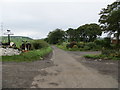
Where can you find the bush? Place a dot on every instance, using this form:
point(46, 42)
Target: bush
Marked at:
point(99, 42)
point(112, 53)
point(107, 42)
point(80, 44)
point(75, 46)
point(103, 43)
point(38, 44)
point(83, 46)
point(91, 45)
point(71, 45)
point(101, 56)
point(86, 48)
point(98, 47)
point(115, 46)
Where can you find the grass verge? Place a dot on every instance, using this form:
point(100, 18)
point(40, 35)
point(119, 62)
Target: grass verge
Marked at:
point(101, 57)
point(62, 47)
point(28, 56)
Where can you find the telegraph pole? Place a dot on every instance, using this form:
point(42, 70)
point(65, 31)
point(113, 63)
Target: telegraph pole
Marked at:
point(8, 33)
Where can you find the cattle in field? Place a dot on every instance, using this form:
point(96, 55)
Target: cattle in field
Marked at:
point(26, 46)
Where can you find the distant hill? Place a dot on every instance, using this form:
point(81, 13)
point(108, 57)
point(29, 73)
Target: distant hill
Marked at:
point(16, 39)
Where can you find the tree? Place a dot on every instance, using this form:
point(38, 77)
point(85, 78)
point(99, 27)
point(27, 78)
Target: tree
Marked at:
point(71, 35)
point(110, 19)
point(89, 32)
point(56, 36)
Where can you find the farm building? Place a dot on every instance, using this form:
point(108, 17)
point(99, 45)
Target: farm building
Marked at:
point(114, 39)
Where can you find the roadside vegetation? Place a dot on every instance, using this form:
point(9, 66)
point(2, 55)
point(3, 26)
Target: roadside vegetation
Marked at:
point(106, 55)
point(86, 37)
point(84, 46)
point(29, 56)
point(39, 49)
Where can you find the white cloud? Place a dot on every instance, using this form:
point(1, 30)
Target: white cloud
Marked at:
point(37, 19)
point(58, 0)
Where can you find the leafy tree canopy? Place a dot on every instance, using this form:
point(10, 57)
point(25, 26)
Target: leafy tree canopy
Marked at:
point(110, 19)
point(89, 32)
point(56, 36)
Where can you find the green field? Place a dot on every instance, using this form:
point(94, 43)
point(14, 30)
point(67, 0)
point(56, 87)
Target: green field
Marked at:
point(16, 39)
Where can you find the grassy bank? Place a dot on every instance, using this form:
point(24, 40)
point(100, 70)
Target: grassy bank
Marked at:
point(29, 56)
point(105, 57)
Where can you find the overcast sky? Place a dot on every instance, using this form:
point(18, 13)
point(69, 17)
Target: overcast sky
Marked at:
point(36, 18)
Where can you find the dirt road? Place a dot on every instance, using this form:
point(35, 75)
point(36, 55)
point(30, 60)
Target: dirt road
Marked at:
point(69, 73)
point(21, 74)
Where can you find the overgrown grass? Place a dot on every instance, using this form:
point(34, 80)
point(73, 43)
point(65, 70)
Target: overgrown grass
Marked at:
point(101, 57)
point(28, 56)
point(75, 49)
point(62, 47)
point(79, 46)
point(38, 44)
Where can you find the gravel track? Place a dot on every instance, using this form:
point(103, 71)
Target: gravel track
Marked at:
point(63, 70)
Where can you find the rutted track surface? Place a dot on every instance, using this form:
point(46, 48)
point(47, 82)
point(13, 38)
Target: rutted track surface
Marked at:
point(69, 73)
point(105, 67)
point(66, 70)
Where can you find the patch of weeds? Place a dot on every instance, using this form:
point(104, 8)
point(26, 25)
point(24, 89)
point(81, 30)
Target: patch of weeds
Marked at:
point(101, 57)
point(28, 56)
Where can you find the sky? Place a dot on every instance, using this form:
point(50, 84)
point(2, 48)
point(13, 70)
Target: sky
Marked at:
point(36, 18)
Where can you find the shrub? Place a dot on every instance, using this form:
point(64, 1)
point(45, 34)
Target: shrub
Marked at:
point(86, 48)
point(98, 47)
point(91, 45)
point(111, 52)
point(75, 46)
point(103, 43)
point(71, 44)
point(80, 44)
point(38, 44)
point(99, 42)
point(106, 57)
point(107, 42)
point(114, 46)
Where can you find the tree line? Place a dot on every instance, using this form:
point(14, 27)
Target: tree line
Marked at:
point(85, 33)
point(109, 21)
